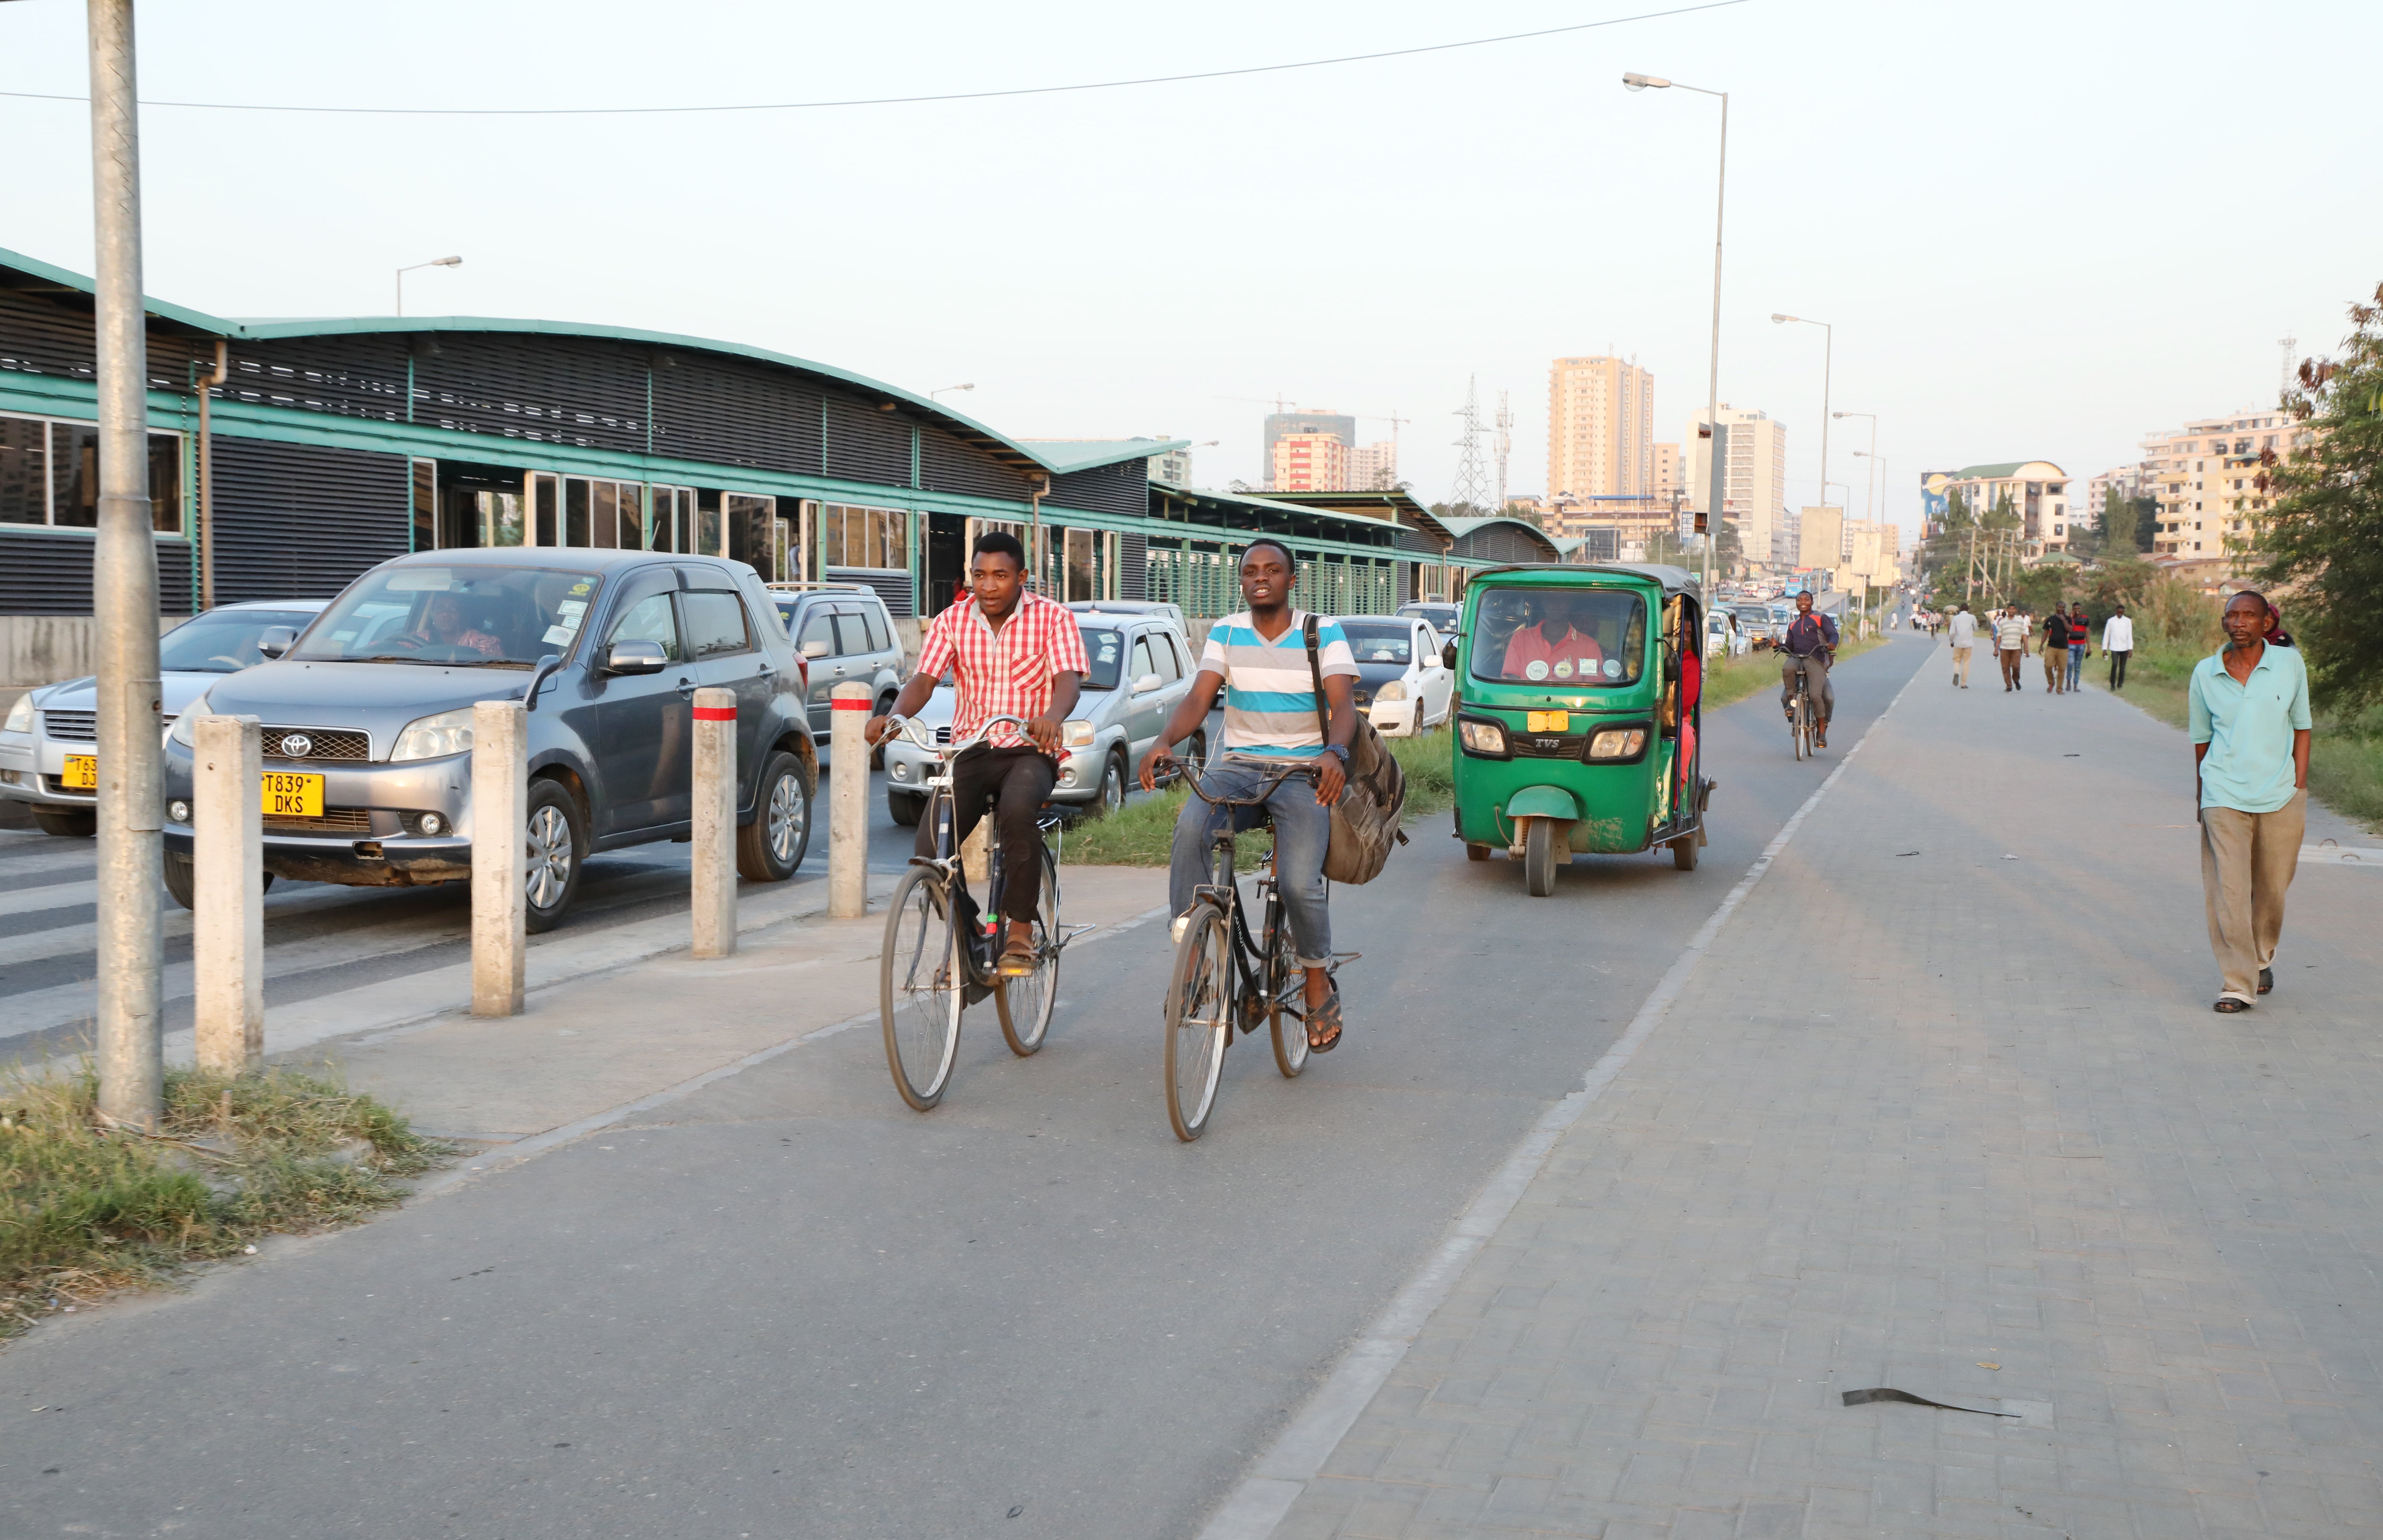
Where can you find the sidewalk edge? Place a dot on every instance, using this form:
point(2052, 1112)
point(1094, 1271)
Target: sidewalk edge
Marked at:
point(1257, 1504)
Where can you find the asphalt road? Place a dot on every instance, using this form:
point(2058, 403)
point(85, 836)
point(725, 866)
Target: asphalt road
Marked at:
point(785, 1306)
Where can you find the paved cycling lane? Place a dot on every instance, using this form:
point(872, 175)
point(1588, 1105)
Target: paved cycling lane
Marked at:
point(785, 1306)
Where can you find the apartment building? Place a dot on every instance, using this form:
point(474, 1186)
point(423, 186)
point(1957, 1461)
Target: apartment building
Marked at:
point(1310, 463)
point(1600, 428)
point(1373, 468)
point(2038, 491)
point(1671, 474)
point(1754, 487)
point(2204, 479)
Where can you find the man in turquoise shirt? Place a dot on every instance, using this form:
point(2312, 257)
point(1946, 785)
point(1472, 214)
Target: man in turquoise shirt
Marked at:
point(2250, 719)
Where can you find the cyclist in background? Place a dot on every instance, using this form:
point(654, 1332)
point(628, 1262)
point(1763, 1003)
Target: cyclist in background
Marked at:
point(1810, 646)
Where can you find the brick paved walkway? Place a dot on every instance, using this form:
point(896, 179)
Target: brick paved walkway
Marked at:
point(1958, 1124)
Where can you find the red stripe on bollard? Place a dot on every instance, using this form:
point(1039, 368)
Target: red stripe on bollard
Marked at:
point(715, 713)
point(852, 706)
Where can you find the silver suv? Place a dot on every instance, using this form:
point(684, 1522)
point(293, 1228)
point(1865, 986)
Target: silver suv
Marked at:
point(846, 637)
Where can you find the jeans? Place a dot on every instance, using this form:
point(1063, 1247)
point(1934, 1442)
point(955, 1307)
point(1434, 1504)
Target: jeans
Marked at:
point(1303, 829)
point(1020, 781)
point(1817, 687)
point(2076, 663)
point(2117, 667)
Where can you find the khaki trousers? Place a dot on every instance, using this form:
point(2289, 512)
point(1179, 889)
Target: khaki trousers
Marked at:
point(1961, 667)
point(2247, 860)
point(2010, 657)
point(2056, 668)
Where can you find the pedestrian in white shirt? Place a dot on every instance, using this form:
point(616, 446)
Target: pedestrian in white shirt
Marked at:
point(1964, 631)
point(2117, 641)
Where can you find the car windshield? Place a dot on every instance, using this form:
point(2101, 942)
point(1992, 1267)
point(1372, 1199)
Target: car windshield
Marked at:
point(1753, 613)
point(1104, 649)
point(1380, 641)
point(1560, 636)
point(223, 641)
point(481, 617)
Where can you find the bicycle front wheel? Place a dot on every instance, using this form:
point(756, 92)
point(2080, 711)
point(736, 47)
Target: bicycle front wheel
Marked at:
point(1199, 1020)
point(920, 981)
point(1025, 1003)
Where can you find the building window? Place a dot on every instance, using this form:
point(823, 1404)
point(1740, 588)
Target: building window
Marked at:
point(49, 475)
point(872, 537)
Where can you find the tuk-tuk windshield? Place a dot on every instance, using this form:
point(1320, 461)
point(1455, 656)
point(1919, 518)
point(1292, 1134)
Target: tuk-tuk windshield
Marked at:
point(1557, 637)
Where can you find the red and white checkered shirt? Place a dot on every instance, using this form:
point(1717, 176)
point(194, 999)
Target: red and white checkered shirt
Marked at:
point(1006, 673)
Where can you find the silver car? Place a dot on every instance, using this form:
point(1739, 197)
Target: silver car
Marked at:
point(49, 744)
point(1141, 668)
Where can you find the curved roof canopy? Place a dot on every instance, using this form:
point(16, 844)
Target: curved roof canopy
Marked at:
point(1460, 528)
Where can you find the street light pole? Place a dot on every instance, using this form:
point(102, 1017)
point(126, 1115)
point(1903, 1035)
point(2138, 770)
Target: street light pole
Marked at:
point(1712, 370)
point(1828, 362)
point(129, 960)
point(1867, 481)
point(434, 262)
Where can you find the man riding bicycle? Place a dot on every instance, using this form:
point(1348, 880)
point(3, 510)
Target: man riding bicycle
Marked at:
point(1810, 646)
point(1015, 654)
point(1259, 659)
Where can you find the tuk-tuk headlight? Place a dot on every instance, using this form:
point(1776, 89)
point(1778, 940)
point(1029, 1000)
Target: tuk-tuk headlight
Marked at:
point(1481, 737)
point(1618, 743)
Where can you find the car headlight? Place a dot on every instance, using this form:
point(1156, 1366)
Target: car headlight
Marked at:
point(1482, 738)
point(435, 737)
point(1395, 690)
point(20, 715)
point(181, 729)
point(1618, 743)
point(1077, 735)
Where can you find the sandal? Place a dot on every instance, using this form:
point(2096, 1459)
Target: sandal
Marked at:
point(1324, 1025)
point(1019, 959)
point(2267, 980)
point(2227, 1005)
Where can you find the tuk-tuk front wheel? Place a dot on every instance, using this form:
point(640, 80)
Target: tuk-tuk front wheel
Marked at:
point(1539, 858)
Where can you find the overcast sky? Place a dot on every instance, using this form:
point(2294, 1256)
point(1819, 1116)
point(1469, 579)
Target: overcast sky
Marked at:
point(2042, 230)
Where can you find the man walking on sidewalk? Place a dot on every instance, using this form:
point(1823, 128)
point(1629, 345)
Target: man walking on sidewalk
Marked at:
point(2080, 641)
point(2056, 650)
point(1965, 637)
point(2010, 644)
point(2248, 713)
point(2118, 642)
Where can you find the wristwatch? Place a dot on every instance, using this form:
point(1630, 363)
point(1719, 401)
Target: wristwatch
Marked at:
point(1340, 749)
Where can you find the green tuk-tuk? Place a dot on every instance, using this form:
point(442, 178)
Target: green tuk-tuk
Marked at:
point(1576, 715)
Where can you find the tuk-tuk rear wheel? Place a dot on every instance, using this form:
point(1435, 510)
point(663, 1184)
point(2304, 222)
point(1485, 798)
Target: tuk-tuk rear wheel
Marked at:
point(1539, 859)
point(1683, 852)
point(1476, 852)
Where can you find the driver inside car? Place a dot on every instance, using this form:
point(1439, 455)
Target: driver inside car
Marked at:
point(443, 625)
point(1552, 648)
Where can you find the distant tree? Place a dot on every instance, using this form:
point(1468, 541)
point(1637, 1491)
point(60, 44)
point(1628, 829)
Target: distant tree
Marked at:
point(2324, 537)
point(2120, 516)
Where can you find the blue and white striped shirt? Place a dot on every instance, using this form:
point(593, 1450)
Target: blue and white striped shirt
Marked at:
point(1270, 707)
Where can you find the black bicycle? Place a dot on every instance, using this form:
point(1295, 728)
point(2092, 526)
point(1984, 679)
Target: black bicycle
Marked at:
point(1223, 976)
point(943, 953)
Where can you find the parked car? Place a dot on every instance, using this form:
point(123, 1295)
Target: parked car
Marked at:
point(1174, 612)
point(1142, 666)
point(1403, 685)
point(1447, 620)
point(368, 718)
point(49, 744)
point(846, 637)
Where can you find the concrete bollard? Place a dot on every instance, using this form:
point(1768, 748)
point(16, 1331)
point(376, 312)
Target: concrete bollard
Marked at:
point(715, 822)
point(847, 818)
point(500, 856)
point(227, 879)
point(976, 855)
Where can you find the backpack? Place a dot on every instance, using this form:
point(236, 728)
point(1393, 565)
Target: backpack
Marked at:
point(1365, 820)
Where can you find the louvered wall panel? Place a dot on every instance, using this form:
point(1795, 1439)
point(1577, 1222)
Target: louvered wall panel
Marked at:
point(548, 389)
point(946, 465)
point(864, 444)
point(293, 521)
point(349, 376)
point(895, 588)
point(45, 572)
point(733, 413)
point(1121, 490)
point(1133, 567)
point(44, 336)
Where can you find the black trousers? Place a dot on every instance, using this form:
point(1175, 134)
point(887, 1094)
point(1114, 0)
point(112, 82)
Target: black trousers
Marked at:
point(2117, 669)
point(1019, 782)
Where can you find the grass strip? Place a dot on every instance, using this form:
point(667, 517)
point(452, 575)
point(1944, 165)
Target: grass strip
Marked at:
point(1730, 679)
point(86, 1210)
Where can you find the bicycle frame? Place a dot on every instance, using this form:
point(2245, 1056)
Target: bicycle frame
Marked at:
point(1224, 889)
point(981, 954)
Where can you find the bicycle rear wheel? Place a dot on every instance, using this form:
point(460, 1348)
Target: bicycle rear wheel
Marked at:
point(1199, 1020)
point(920, 979)
point(1284, 977)
point(1025, 1003)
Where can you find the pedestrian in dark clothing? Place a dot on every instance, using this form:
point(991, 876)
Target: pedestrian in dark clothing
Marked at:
point(2056, 650)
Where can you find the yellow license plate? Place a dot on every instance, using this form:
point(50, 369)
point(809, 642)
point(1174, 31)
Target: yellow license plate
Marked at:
point(82, 773)
point(1546, 721)
point(293, 796)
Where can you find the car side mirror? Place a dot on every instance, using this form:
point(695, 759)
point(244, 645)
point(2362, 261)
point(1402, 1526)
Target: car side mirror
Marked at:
point(275, 640)
point(636, 657)
point(815, 649)
point(1448, 657)
point(1146, 683)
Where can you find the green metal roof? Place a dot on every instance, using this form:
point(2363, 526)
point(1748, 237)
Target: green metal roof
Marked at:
point(1462, 527)
point(1058, 457)
point(1398, 506)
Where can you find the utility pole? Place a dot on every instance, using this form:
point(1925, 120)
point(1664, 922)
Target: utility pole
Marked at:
point(1505, 444)
point(129, 961)
point(1472, 476)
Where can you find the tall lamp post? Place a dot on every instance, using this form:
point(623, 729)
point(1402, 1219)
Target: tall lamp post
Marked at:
point(1867, 481)
point(434, 262)
point(1828, 360)
point(948, 390)
point(1878, 461)
point(1712, 374)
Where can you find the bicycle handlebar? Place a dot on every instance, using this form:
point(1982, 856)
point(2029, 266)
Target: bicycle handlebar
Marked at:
point(908, 727)
point(1263, 789)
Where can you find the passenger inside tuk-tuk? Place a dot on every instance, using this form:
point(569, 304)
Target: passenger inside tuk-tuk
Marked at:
point(1561, 637)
